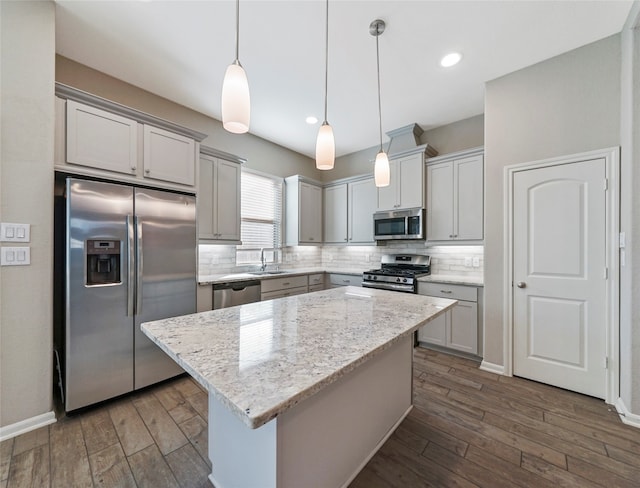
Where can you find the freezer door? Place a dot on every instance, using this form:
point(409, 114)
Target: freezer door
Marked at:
point(98, 331)
point(166, 267)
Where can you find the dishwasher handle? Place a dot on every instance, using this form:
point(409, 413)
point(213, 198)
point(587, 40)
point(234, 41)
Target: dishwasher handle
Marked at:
point(236, 285)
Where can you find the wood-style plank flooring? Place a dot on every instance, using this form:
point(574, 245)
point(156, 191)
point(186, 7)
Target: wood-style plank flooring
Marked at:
point(468, 428)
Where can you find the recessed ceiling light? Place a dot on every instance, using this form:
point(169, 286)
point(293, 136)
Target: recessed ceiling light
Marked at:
point(450, 59)
point(311, 120)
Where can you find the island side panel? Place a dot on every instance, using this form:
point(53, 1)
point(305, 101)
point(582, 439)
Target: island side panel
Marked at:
point(328, 438)
point(240, 456)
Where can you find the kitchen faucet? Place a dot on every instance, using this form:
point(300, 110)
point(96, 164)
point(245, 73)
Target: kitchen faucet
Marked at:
point(263, 264)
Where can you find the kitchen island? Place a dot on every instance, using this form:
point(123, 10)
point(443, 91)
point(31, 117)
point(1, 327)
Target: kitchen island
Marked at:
point(302, 390)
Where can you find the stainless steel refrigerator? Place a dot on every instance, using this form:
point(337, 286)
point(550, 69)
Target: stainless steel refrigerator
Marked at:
point(130, 257)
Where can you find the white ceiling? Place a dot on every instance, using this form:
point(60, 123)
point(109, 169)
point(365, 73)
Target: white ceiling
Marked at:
point(180, 49)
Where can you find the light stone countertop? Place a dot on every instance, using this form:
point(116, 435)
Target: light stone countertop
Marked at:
point(453, 279)
point(263, 358)
point(230, 277)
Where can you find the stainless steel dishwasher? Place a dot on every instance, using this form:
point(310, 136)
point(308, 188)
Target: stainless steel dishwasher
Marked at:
point(234, 293)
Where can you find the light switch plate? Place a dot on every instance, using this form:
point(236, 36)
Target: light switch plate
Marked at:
point(467, 262)
point(15, 256)
point(476, 262)
point(15, 232)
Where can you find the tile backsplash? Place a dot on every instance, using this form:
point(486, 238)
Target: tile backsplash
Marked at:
point(465, 261)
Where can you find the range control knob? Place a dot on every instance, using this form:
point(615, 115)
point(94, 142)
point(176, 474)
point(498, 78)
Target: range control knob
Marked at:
point(404, 280)
point(398, 280)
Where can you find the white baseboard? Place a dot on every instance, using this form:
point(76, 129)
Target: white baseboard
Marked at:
point(492, 368)
point(626, 416)
point(27, 425)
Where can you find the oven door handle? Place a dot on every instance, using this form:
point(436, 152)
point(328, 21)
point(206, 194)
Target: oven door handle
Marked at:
point(389, 286)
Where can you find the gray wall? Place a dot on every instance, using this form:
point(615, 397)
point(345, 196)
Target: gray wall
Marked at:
point(261, 154)
point(565, 105)
point(464, 134)
point(26, 195)
point(629, 211)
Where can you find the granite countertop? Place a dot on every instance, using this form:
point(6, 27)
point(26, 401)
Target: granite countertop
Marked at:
point(453, 279)
point(229, 277)
point(262, 358)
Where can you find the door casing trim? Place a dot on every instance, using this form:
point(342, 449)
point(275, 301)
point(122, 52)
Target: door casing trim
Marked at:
point(612, 170)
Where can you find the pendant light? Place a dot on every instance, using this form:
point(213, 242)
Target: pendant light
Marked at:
point(325, 143)
point(235, 91)
point(381, 171)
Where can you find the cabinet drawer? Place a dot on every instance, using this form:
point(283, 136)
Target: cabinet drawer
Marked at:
point(284, 283)
point(316, 279)
point(345, 280)
point(283, 293)
point(455, 292)
point(316, 288)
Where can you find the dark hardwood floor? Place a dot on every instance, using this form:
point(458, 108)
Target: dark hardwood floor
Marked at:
point(468, 428)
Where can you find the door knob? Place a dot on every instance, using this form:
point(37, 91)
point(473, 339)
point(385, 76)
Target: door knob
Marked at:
point(521, 284)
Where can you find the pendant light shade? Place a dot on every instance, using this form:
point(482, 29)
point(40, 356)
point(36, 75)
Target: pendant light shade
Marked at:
point(325, 147)
point(325, 143)
point(381, 170)
point(235, 100)
point(236, 103)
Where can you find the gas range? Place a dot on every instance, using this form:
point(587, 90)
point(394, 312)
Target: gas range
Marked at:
point(399, 272)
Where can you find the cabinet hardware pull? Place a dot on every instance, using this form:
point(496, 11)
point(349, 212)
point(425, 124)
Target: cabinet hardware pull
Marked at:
point(285, 284)
point(521, 284)
point(147, 171)
point(446, 291)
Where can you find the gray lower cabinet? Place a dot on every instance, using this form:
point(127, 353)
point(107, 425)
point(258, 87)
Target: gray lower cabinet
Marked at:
point(337, 279)
point(458, 328)
point(283, 287)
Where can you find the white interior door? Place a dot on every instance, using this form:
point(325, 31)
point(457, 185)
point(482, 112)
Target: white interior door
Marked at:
point(559, 274)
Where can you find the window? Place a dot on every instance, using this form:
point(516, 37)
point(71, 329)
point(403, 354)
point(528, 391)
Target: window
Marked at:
point(261, 224)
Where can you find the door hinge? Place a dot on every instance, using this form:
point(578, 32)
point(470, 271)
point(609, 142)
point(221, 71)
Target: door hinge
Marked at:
point(606, 273)
point(606, 184)
point(606, 363)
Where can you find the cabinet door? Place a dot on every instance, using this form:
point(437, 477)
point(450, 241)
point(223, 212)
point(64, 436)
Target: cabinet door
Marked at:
point(463, 329)
point(388, 198)
point(100, 139)
point(226, 184)
point(362, 205)
point(335, 214)
point(435, 332)
point(168, 156)
point(204, 199)
point(411, 192)
point(310, 217)
point(469, 191)
point(440, 202)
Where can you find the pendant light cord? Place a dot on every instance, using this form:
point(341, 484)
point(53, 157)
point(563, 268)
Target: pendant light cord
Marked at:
point(237, 32)
point(378, 68)
point(326, 64)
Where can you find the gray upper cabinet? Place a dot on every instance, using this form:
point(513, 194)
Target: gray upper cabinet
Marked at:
point(303, 201)
point(455, 197)
point(102, 140)
point(98, 137)
point(219, 200)
point(348, 212)
point(406, 188)
point(362, 198)
point(168, 156)
point(335, 214)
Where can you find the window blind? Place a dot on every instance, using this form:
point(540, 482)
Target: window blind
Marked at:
point(261, 224)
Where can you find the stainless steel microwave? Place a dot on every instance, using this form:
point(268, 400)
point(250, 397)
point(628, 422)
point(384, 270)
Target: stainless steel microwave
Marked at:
point(399, 224)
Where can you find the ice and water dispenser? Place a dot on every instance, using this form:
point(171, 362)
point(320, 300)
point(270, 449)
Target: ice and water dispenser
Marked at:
point(103, 262)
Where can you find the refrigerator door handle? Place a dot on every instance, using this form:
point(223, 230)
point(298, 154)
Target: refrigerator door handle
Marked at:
point(131, 277)
point(138, 266)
